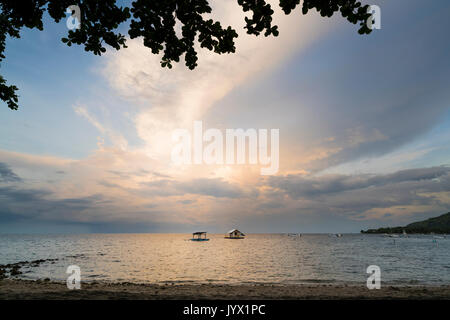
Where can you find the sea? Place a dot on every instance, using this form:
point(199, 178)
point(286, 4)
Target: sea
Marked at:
point(259, 258)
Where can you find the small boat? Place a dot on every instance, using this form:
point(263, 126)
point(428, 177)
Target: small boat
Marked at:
point(235, 234)
point(197, 236)
point(393, 235)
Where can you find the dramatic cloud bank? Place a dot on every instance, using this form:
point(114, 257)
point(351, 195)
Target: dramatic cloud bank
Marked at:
point(363, 129)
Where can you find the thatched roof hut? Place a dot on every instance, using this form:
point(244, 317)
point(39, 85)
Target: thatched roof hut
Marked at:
point(235, 234)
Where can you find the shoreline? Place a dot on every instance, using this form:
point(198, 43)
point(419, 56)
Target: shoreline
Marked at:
point(18, 289)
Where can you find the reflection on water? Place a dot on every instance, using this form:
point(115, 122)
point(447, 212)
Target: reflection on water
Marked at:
point(268, 258)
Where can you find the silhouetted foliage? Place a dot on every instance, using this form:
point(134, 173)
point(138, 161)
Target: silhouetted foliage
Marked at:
point(154, 21)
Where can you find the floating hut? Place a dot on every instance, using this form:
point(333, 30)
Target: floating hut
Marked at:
point(199, 236)
point(235, 234)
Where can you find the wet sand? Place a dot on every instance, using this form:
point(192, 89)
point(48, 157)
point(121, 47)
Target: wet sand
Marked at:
point(40, 289)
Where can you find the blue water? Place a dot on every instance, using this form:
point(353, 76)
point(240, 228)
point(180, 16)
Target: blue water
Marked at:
point(260, 258)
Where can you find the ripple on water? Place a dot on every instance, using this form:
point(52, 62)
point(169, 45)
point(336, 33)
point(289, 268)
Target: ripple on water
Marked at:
point(161, 258)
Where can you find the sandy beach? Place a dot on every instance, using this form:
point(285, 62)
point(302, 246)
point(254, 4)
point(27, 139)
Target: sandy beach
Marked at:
point(41, 289)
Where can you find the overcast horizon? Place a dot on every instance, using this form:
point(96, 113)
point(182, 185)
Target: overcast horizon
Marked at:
point(364, 129)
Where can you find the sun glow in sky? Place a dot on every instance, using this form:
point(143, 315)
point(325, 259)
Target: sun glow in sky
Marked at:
point(364, 129)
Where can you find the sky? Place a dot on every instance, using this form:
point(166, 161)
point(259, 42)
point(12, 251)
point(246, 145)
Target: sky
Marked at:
point(364, 125)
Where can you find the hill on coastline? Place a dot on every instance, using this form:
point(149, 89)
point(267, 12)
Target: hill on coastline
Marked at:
point(439, 224)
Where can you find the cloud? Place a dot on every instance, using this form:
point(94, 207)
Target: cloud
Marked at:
point(139, 173)
point(349, 99)
point(117, 139)
point(401, 195)
point(82, 111)
point(37, 204)
point(7, 175)
point(214, 187)
point(211, 187)
point(170, 99)
point(104, 192)
point(301, 186)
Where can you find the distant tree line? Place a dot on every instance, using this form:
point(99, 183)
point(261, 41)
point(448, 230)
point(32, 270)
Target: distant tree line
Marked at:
point(440, 225)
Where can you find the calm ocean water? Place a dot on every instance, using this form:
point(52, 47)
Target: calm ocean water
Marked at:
point(260, 258)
